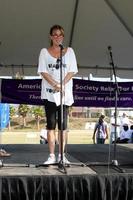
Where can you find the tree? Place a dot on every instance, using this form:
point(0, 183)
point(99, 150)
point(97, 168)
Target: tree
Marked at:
point(38, 112)
point(12, 112)
point(23, 110)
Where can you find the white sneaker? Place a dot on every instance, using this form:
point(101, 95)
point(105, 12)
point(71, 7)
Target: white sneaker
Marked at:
point(50, 160)
point(65, 161)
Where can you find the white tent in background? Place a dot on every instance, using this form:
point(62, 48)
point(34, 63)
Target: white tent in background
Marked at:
point(90, 27)
point(108, 79)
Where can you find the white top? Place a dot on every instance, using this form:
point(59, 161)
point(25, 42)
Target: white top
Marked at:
point(124, 120)
point(50, 65)
point(100, 130)
point(125, 134)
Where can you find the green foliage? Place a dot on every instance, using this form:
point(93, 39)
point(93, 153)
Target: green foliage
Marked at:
point(23, 110)
point(38, 111)
point(12, 111)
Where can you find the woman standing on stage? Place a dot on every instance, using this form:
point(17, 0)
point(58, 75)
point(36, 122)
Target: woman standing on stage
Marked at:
point(49, 69)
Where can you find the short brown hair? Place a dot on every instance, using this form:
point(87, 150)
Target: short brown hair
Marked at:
point(56, 27)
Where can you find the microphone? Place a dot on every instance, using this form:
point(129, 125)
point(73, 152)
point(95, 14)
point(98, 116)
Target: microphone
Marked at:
point(110, 50)
point(61, 46)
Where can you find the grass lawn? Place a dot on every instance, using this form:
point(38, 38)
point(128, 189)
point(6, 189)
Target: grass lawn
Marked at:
point(31, 135)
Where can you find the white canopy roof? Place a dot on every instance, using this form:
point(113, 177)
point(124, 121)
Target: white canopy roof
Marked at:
point(90, 27)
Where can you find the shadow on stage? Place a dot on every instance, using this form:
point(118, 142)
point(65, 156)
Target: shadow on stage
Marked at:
point(90, 177)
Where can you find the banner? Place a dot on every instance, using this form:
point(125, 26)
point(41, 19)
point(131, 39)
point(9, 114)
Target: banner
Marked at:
point(102, 94)
point(86, 93)
point(23, 91)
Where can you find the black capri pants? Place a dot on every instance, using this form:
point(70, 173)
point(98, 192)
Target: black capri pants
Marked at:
point(53, 115)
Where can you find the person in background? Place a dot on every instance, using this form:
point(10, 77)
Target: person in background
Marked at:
point(114, 127)
point(100, 131)
point(49, 69)
point(124, 120)
point(4, 153)
point(125, 135)
point(131, 130)
point(43, 136)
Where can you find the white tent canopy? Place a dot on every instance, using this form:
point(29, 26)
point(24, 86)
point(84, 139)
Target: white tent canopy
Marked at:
point(90, 27)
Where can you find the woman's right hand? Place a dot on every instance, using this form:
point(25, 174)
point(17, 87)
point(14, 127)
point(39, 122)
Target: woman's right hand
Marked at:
point(57, 87)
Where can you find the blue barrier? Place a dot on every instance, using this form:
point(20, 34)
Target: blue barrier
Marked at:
point(4, 115)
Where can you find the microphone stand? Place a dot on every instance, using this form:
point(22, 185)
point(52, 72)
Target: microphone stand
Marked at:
point(61, 165)
point(117, 92)
point(114, 162)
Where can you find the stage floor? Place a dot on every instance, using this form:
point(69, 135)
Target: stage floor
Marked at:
point(85, 159)
point(90, 175)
